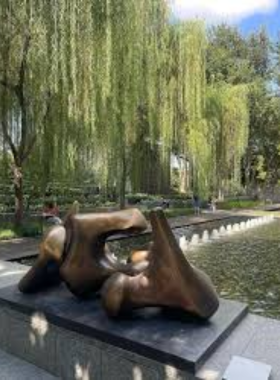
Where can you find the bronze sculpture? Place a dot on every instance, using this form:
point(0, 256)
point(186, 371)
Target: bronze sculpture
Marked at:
point(169, 280)
point(88, 262)
point(77, 254)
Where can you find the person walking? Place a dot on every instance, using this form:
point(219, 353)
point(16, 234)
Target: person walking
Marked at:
point(51, 213)
point(196, 204)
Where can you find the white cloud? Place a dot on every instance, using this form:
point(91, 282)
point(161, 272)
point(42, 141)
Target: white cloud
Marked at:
point(233, 10)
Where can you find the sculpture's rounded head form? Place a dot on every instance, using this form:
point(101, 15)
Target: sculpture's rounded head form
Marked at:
point(53, 243)
point(136, 220)
point(45, 271)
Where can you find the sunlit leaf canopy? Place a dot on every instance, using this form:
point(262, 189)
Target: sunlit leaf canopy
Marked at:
point(111, 89)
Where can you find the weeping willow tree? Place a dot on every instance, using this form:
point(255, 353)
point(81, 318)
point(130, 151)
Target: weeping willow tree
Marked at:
point(125, 33)
point(228, 117)
point(191, 129)
point(210, 123)
point(104, 89)
point(173, 116)
point(71, 96)
point(124, 44)
point(78, 81)
point(24, 99)
point(49, 78)
point(150, 170)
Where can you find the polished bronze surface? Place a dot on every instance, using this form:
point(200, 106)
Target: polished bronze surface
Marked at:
point(88, 262)
point(157, 275)
point(45, 271)
point(139, 255)
point(169, 280)
point(77, 254)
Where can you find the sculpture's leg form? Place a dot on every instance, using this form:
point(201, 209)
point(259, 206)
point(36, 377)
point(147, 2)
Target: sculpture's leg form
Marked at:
point(169, 280)
point(45, 271)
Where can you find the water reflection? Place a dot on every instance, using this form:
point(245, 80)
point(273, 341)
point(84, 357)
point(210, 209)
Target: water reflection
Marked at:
point(215, 234)
point(195, 239)
point(245, 266)
point(205, 237)
point(229, 228)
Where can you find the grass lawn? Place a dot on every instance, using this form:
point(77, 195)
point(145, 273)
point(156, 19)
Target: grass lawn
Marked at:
point(8, 231)
point(172, 212)
point(239, 204)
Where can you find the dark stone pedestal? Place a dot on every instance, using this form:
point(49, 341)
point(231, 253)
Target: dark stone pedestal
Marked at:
point(164, 336)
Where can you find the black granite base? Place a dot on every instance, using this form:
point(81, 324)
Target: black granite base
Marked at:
point(164, 336)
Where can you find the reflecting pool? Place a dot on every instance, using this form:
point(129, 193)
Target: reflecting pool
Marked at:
point(123, 247)
point(245, 266)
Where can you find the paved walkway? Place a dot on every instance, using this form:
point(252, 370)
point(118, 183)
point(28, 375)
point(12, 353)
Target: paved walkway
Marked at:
point(18, 248)
point(181, 221)
point(256, 338)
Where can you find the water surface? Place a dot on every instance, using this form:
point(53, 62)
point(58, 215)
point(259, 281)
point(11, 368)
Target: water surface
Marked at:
point(245, 266)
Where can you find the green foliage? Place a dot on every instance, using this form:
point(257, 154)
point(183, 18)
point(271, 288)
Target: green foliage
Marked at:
point(239, 204)
point(174, 212)
point(227, 114)
point(261, 173)
point(262, 156)
point(259, 49)
point(109, 89)
point(30, 229)
point(227, 56)
point(192, 129)
point(7, 233)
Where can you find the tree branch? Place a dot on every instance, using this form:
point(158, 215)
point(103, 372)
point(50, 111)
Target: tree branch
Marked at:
point(34, 137)
point(29, 148)
point(9, 140)
point(21, 96)
point(8, 85)
point(23, 65)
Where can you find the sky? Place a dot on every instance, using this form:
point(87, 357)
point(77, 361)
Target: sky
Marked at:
point(248, 15)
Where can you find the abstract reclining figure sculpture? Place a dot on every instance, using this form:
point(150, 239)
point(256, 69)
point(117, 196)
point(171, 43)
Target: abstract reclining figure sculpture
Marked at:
point(169, 279)
point(76, 253)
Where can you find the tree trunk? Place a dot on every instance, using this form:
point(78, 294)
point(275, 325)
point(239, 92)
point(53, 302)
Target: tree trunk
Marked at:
point(184, 177)
point(221, 189)
point(247, 170)
point(122, 185)
point(18, 187)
